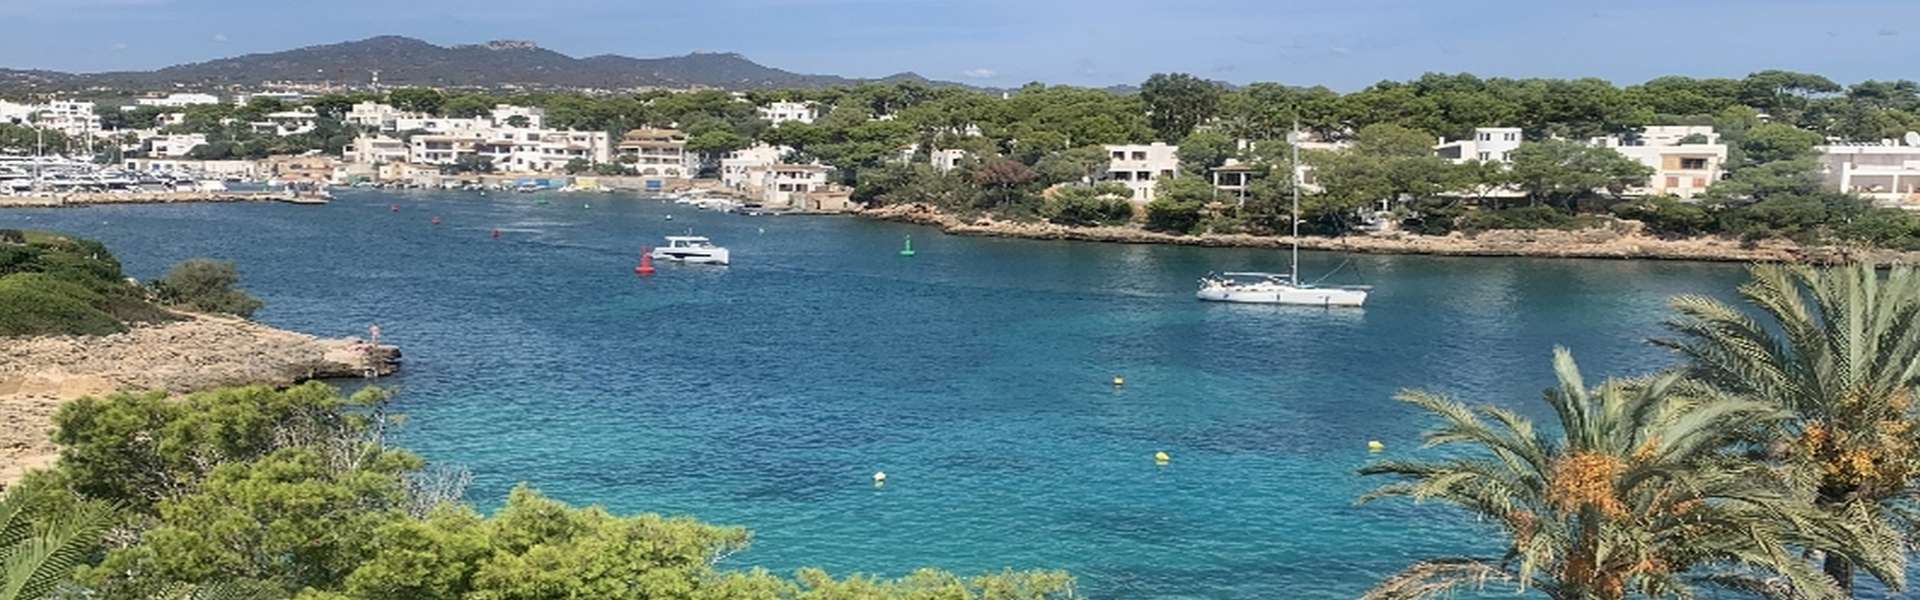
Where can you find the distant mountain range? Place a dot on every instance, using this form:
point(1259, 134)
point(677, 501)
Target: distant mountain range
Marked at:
point(408, 61)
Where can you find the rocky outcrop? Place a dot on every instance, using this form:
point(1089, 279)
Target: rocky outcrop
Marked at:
point(199, 352)
point(1621, 241)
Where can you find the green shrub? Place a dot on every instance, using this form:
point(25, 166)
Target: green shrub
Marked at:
point(205, 285)
point(1665, 215)
point(1172, 216)
point(1088, 205)
point(42, 304)
point(1519, 217)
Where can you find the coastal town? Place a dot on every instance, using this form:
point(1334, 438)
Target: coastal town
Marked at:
point(764, 151)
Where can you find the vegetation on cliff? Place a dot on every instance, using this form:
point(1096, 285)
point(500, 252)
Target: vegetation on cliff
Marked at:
point(52, 284)
point(294, 494)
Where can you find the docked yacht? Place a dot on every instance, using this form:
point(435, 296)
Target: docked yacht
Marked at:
point(691, 249)
point(1277, 288)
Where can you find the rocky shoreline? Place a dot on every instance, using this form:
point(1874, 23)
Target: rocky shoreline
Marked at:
point(196, 353)
point(1625, 241)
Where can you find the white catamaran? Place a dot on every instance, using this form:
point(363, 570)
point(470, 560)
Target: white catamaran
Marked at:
point(1277, 288)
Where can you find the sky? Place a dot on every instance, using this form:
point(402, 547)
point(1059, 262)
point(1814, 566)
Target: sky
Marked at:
point(1344, 44)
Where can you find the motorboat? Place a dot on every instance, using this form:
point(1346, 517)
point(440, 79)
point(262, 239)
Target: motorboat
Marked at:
point(1277, 288)
point(691, 249)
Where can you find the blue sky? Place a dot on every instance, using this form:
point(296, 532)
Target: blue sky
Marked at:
point(1345, 44)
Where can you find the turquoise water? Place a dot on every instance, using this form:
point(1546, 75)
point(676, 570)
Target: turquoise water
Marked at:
point(976, 374)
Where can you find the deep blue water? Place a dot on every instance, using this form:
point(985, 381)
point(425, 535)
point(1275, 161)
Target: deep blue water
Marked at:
point(977, 375)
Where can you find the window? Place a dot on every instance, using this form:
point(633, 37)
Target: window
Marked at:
point(1486, 137)
point(1693, 164)
point(1673, 182)
point(1699, 182)
point(1139, 155)
point(1510, 136)
point(1119, 155)
point(1485, 155)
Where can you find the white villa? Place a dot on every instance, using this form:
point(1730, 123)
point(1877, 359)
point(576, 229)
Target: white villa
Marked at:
point(781, 112)
point(1887, 172)
point(1491, 144)
point(737, 167)
point(1141, 166)
point(1685, 159)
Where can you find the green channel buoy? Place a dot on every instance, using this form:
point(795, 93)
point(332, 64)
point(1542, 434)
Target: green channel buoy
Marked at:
point(908, 249)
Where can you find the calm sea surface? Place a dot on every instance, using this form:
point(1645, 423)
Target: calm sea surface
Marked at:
point(976, 375)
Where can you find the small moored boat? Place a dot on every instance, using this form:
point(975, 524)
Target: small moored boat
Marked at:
point(691, 249)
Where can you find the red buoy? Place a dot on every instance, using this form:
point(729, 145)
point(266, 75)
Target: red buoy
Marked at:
point(496, 233)
point(646, 262)
point(436, 220)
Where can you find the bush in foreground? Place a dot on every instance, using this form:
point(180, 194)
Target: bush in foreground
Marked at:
point(206, 285)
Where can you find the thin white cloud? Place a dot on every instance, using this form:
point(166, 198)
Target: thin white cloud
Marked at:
point(118, 46)
point(980, 73)
point(220, 37)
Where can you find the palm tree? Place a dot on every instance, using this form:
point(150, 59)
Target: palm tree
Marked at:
point(1840, 349)
point(35, 558)
point(1637, 495)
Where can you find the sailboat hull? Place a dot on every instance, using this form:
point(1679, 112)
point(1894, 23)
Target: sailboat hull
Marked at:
point(1277, 294)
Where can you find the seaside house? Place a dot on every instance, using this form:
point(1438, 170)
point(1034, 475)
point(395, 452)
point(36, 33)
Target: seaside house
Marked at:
point(787, 185)
point(1233, 179)
point(177, 100)
point(1887, 172)
point(656, 152)
point(174, 145)
point(1142, 166)
point(1685, 159)
point(376, 149)
point(781, 112)
point(287, 96)
point(439, 125)
point(738, 166)
point(512, 150)
point(1490, 144)
point(518, 117)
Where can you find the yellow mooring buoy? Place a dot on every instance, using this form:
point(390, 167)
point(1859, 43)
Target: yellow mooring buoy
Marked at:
point(879, 478)
point(1119, 381)
point(1161, 457)
point(1375, 446)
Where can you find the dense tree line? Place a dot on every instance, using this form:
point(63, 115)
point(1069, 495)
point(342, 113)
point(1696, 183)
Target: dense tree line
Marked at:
point(53, 284)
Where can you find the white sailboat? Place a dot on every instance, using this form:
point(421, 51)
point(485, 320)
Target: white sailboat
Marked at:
point(1277, 288)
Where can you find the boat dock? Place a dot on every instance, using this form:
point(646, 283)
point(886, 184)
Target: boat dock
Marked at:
point(95, 198)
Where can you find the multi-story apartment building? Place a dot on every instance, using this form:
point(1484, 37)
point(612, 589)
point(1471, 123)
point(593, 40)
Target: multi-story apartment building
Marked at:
point(655, 152)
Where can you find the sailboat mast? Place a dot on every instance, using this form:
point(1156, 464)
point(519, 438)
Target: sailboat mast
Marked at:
point(1293, 168)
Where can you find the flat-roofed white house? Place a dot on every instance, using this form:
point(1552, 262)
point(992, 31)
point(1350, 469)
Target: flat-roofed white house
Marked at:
point(948, 159)
point(1488, 144)
point(1887, 172)
point(1142, 166)
point(787, 185)
point(174, 145)
point(737, 167)
point(376, 115)
point(1685, 159)
point(177, 100)
point(781, 112)
point(376, 149)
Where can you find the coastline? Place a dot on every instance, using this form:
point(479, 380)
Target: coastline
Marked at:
point(1627, 243)
point(39, 374)
point(100, 198)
